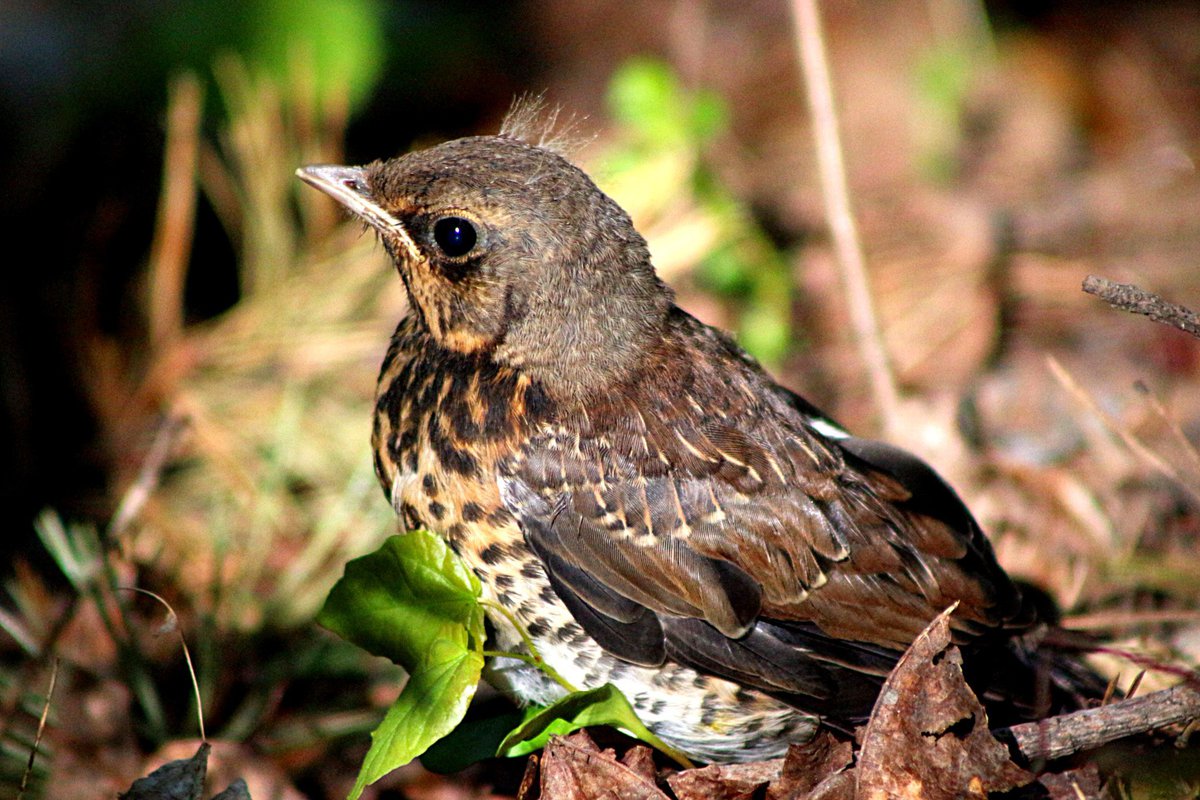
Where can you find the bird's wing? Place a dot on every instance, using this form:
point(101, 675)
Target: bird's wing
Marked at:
point(735, 538)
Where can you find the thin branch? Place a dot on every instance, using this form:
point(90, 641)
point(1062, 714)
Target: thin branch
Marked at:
point(815, 72)
point(1128, 297)
point(1080, 731)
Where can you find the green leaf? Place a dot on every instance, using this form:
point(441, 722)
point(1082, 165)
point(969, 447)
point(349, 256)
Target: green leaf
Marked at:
point(709, 116)
point(408, 594)
point(414, 602)
point(432, 703)
point(604, 705)
point(646, 96)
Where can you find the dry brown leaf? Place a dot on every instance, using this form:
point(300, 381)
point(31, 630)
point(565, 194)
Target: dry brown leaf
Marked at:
point(808, 772)
point(814, 770)
point(835, 787)
point(725, 781)
point(573, 768)
point(640, 759)
point(181, 779)
point(1076, 784)
point(928, 736)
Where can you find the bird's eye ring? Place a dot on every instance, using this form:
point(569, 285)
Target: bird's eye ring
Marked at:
point(455, 236)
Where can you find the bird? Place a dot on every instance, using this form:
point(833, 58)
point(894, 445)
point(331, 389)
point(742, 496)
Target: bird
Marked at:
point(636, 492)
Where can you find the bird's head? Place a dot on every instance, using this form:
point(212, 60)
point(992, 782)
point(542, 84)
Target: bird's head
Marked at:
point(510, 252)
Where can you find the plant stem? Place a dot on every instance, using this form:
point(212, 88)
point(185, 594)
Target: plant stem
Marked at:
point(517, 626)
point(534, 658)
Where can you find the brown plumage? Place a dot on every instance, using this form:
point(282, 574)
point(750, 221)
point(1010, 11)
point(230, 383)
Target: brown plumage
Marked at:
point(652, 507)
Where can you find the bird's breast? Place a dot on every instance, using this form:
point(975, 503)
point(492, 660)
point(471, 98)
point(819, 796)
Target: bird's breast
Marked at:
point(443, 422)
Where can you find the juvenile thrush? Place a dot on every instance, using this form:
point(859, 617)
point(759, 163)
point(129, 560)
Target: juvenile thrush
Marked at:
point(652, 507)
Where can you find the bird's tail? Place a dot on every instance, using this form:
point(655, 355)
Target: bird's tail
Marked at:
point(1042, 673)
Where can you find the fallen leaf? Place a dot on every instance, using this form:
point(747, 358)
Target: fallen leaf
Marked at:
point(236, 791)
point(573, 768)
point(725, 781)
point(928, 734)
point(231, 762)
point(182, 779)
point(1075, 784)
point(814, 768)
point(529, 781)
point(834, 787)
point(640, 759)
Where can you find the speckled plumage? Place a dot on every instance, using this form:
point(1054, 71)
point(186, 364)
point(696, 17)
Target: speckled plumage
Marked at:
point(649, 504)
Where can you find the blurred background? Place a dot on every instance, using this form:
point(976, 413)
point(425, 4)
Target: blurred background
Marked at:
point(189, 338)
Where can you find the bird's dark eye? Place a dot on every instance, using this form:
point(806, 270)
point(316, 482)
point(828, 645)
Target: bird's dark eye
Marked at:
point(455, 236)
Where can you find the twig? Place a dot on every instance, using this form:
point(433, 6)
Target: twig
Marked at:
point(1076, 732)
point(1128, 297)
point(815, 68)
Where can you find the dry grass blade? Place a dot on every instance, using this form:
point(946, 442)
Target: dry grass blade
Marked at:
point(1116, 620)
point(1117, 429)
point(1172, 425)
point(176, 212)
point(172, 623)
point(1137, 683)
point(135, 497)
point(41, 729)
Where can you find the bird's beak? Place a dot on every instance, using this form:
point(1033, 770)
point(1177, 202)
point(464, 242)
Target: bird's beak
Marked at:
point(348, 186)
